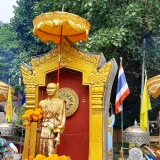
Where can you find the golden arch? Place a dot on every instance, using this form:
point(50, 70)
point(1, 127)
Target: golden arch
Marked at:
point(96, 73)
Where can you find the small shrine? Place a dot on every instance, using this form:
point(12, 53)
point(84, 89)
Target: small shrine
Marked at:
point(87, 79)
point(84, 80)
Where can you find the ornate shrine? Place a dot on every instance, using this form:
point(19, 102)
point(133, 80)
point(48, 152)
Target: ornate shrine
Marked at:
point(91, 78)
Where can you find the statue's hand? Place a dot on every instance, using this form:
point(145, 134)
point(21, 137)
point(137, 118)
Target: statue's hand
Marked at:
point(57, 140)
point(38, 129)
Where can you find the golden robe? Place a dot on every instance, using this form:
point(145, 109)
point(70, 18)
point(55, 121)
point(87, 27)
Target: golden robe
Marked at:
point(52, 124)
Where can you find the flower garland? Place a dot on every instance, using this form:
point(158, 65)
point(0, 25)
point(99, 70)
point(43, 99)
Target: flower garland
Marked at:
point(51, 157)
point(32, 116)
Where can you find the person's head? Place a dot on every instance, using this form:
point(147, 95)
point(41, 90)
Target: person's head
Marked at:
point(51, 89)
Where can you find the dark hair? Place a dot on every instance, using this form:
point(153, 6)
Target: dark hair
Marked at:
point(0, 132)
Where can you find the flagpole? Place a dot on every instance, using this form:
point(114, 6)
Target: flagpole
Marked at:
point(143, 70)
point(145, 74)
point(19, 97)
point(145, 107)
point(148, 113)
point(121, 119)
point(122, 92)
point(6, 103)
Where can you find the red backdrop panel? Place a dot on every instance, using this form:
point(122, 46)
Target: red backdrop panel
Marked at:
point(75, 139)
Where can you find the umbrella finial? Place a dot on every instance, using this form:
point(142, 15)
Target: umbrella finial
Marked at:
point(9, 81)
point(121, 60)
point(145, 72)
point(135, 123)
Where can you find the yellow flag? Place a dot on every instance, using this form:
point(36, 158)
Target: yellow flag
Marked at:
point(145, 106)
point(8, 106)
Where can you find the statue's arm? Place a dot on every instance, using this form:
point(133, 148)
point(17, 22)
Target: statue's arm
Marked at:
point(39, 126)
point(57, 139)
point(61, 126)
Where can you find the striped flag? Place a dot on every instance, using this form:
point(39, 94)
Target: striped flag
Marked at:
point(122, 90)
point(8, 106)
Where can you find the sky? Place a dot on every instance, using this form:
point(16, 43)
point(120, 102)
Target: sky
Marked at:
point(6, 10)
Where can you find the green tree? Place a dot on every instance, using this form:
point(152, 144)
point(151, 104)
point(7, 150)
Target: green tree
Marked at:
point(22, 26)
point(118, 29)
point(8, 48)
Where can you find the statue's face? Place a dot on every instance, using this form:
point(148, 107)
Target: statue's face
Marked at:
point(51, 89)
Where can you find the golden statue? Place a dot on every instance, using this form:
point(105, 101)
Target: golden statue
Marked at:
point(52, 123)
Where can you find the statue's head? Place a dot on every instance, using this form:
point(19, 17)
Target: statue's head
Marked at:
point(51, 89)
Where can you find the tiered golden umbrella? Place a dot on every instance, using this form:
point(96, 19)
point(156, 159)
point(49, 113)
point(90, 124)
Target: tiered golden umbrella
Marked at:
point(53, 26)
point(153, 85)
point(4, 91)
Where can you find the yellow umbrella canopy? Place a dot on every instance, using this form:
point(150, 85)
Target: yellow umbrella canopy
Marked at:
point(153, 85)
point(4, 91)
point(51, 26)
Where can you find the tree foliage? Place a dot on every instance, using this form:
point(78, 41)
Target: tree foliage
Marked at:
point(8, 49)
point(29, 45)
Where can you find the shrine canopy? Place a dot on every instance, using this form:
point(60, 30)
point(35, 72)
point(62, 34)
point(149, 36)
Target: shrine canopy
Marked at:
point(153, 85)
point(4, 91)
point(52, 26)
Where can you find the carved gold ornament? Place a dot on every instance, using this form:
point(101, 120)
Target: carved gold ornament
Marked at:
point(110, 154)
point(72, 100)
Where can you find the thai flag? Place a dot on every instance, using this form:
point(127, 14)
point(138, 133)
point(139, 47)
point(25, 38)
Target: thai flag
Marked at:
point(122, 90)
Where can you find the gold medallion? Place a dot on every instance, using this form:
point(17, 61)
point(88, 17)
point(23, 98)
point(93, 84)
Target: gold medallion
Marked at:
point(72, 100)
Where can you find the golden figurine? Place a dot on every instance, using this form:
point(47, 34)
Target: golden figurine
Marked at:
point(52, 123)
point(121, 155)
